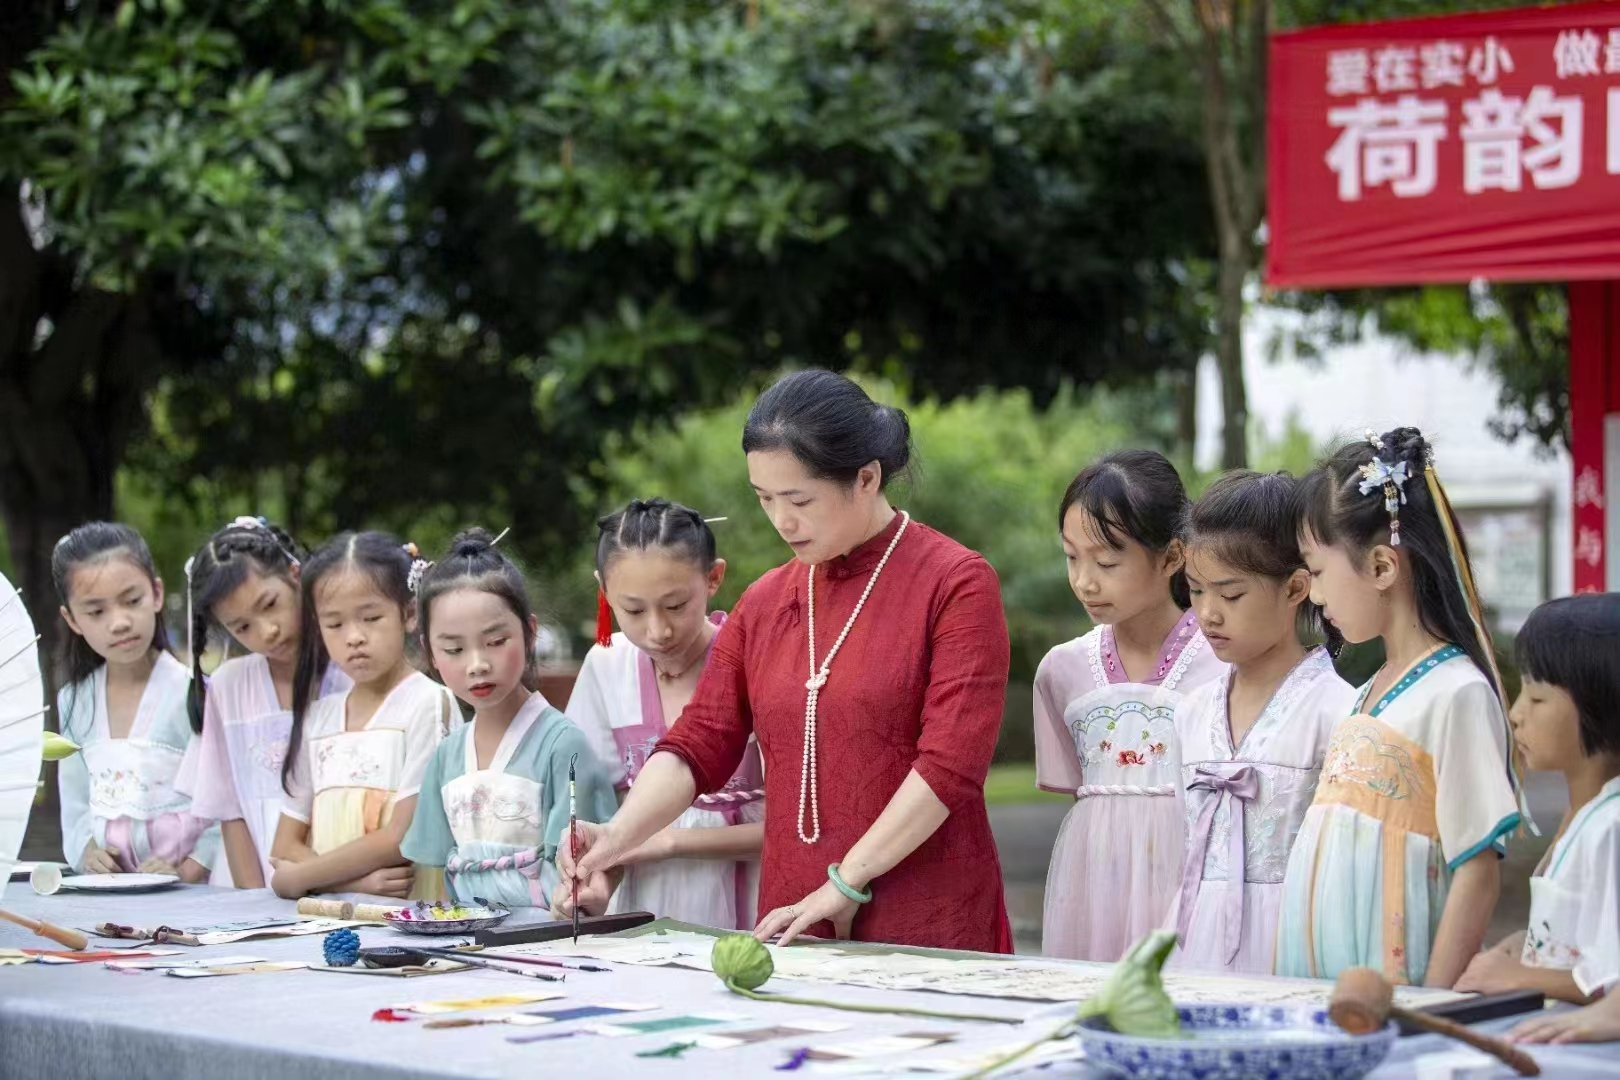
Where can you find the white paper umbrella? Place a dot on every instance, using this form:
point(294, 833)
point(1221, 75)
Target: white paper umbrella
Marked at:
point(22, 723)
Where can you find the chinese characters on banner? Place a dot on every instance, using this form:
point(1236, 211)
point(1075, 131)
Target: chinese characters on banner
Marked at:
point(1446, 149)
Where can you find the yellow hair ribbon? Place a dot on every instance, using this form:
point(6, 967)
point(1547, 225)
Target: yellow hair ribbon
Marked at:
point(1476, 614)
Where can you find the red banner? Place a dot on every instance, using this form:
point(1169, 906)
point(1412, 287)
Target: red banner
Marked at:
point(1445, 149)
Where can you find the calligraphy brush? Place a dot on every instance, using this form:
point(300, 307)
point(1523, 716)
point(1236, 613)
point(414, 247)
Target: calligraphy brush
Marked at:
point(573, 839)
point(490, 962)
point(71, 939)
point(548, 963)
point(507, 959)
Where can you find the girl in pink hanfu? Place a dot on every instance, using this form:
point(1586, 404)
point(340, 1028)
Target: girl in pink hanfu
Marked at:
point(1105, 708)
point(1252, 740)
point(244, 580)
point(657, 569)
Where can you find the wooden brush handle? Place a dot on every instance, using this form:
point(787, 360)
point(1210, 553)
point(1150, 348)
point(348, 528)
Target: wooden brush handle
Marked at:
point(325, 909)
point(1521, 1062)
point(68, 939)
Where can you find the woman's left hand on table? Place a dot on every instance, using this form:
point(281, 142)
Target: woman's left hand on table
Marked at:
point(826, 904)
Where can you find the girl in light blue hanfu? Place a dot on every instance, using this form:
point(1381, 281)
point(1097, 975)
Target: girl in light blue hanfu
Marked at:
point(494, 800)
point(1397, 862)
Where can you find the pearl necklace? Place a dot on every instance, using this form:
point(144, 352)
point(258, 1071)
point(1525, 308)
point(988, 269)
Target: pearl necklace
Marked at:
point(818, 679)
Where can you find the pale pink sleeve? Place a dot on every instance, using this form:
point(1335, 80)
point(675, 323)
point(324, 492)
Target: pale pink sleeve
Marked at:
point(1057, 766)
point(205, 774)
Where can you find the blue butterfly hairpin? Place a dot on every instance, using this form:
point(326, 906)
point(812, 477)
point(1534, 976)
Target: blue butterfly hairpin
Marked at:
point(1379, 474)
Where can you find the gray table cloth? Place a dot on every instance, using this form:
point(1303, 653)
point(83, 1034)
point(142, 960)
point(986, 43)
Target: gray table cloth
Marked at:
point(89, 1021)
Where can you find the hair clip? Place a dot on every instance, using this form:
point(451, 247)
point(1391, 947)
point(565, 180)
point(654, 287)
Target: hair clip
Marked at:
point(247, 522)
point(419, 569)
point(411, 550)
point(1379, 473)
point(711, 521)
point(1372, 437)
point(501, 537)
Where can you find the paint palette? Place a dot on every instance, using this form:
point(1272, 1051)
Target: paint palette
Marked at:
point(425, 918)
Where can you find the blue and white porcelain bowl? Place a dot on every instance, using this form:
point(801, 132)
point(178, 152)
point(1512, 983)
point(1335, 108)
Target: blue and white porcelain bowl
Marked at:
point(1241, 1042)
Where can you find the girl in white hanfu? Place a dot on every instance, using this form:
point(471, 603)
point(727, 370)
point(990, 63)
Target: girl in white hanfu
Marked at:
point(1567, 718)
point(657, 571)
point(245, 580)
point(1105, 708)
point(1397, 865)
point(124, 701)
point(495, 798)
point(1252, 740)
point(355, 765)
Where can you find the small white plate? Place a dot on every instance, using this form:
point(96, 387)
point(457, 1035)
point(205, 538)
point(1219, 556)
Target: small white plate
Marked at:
point(47, 880)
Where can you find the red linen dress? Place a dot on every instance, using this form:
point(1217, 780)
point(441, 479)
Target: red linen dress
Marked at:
point(918, 685)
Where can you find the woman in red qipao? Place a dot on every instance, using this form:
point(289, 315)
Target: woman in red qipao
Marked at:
point(872, 668)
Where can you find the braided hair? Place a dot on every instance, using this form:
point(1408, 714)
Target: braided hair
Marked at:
point(246, 546)
point(656, 523)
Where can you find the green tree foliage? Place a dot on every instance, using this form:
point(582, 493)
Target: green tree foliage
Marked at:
point(386, 260)
point(1518, 331)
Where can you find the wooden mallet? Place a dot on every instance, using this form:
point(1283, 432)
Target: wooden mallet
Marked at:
point(1364, 1001)
point(71, 939)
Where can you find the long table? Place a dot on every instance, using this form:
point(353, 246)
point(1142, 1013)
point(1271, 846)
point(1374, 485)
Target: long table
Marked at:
point(86, 1020)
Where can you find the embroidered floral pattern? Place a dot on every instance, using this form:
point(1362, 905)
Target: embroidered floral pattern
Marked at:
point(483, 800)
point(118, 787)
point(268, 754)
point(132, 778)
point(357, 759)
point(1360, 756)
point(494, 808)
point(1542, 948)
point(1115, 742)
point(636, 753)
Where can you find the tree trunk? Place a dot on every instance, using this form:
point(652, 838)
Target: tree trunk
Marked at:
point(1228, 48)
point(1234, 269)
point(69, 403)
point(1187, 412)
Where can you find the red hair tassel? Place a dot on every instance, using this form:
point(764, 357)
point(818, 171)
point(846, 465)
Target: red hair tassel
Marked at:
point(604, 619)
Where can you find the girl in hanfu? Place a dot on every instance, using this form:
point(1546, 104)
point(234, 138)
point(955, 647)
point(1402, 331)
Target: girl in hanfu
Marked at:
point(872, 669)
point(494, 800)
point(1397, 864)
point(1567, 719)
point(657, 570)
point(1252, 740)
point(355, 763)
point(123, 699)
point(1105, 707)
point(245, 580)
